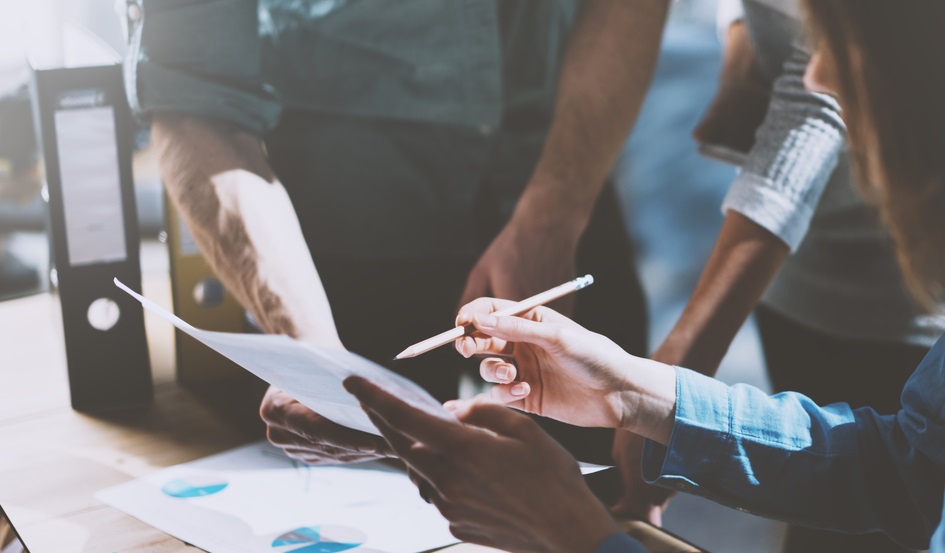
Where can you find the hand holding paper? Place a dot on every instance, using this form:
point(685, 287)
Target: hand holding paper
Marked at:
point(310, 374)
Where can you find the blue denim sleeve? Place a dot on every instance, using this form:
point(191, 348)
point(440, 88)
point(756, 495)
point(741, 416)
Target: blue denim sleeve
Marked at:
point(938, 540)
point(200, 57)
point(784, 457)
point(618, 542)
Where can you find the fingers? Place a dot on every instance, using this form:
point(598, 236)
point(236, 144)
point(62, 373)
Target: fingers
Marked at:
point(315, 429)
point(428, 466)
point(498, 334)
point(418, 425)
point(480, 305)
point(291, 424)
point(498, 371)
point(494, 417)
point(467, 346)
point(510, 394)
point(546, 335)
point(479, 344)
point(317, 453)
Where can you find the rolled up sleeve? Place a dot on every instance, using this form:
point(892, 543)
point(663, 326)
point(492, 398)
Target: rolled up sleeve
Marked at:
point(784, 457)
point(796, 150)
point(200, 57)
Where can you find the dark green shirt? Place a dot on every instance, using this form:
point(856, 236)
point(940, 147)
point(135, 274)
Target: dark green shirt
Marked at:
point(466, 62)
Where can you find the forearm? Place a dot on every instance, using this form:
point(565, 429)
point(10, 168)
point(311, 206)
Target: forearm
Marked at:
point(783, 456)
point(244, 223)
point(744, 261)
point(604, 78)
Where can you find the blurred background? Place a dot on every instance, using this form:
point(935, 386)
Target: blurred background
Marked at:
point(670, 195)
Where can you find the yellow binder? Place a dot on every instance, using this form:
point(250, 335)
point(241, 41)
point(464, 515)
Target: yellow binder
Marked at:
point(200, 299)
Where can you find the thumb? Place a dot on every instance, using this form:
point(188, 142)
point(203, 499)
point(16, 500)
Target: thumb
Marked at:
point(494, 417)
point(516, 329)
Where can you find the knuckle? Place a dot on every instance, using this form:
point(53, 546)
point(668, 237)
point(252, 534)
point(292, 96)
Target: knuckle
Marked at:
point(496, 393)
point(448, 510)
point(274, 436)
point(463, 533)
point(270, 411)
point(523, 424)
point(450, 490)
point(556, 335)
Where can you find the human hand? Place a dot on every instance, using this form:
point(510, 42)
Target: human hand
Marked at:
point(306, 436)
point(553, 367)
point(742, 98)
point(501, 481)
point(639, 498)
point(528, 256)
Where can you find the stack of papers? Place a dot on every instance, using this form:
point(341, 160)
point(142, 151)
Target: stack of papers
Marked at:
point(254, 499)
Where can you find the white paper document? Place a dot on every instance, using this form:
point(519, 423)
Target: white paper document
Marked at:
point(312, 375)
point(254, 499)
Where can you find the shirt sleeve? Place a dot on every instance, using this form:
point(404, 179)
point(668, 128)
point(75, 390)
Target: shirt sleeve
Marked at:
point(200, 57)
point(727, 13)
point(938, 540)
point(784, 457)
point(618, 542)
point(796, 150)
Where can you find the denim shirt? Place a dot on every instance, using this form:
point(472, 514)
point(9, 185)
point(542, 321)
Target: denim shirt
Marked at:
point(833, 467)
point(465, 62)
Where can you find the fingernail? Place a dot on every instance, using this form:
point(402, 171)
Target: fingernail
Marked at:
point(451, 406)
point(486, 320)
point(520, 390)
point(367, 448)
point(468, 347)
point(503, 373)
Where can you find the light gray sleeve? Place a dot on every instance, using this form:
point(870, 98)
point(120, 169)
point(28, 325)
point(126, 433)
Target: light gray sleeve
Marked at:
point(796, 150)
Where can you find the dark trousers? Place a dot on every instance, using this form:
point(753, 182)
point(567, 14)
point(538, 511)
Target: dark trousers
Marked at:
point(383, 303)
point(831, 369)
point(382, 306)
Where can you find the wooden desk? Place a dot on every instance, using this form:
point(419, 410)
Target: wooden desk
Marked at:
point(52, 459)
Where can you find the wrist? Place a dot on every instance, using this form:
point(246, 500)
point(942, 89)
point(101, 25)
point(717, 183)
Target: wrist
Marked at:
point(552, 204)
point(649, 400)
point(590, 529)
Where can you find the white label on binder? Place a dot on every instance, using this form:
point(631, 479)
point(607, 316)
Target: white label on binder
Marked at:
point(91, 185)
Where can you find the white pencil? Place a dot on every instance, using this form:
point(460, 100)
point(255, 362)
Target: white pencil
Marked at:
point(521, 307)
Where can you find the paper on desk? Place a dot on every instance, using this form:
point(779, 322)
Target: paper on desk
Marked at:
point(254, 499)
point(312, 375)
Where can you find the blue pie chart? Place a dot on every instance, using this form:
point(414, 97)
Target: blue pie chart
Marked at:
point(320, 539)
point(185, 488)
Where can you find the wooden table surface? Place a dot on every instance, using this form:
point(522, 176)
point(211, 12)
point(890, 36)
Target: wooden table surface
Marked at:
point(53, 459)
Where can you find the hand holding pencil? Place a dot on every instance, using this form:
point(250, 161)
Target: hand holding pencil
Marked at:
point(547, 364)
point(516, 309)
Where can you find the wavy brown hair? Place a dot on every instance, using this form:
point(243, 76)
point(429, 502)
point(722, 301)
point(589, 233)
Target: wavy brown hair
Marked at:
point(888, 56)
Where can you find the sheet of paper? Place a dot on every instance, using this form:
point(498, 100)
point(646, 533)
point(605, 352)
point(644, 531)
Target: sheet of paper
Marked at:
point(254, 499)
point(591, 468)
point(310, 374)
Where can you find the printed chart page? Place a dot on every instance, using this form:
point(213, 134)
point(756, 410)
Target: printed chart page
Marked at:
point(254, 499)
